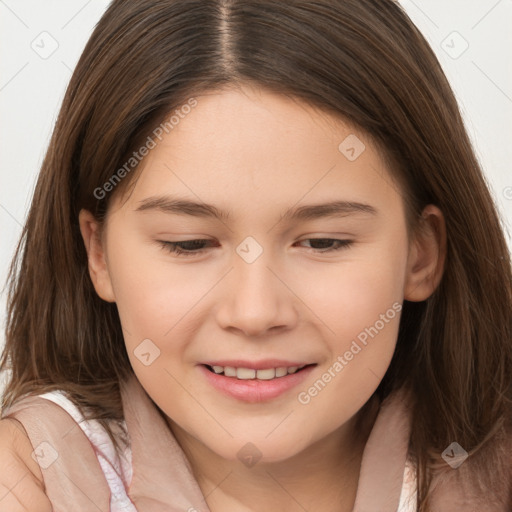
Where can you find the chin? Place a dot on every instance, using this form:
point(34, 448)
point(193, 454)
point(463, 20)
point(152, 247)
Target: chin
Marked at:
point(257, 450)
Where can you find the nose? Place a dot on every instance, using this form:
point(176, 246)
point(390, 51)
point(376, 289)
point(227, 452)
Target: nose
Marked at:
point(257, 299)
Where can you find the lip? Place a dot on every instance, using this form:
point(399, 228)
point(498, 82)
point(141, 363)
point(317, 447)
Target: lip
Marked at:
point(256, 365)
point(254, 390)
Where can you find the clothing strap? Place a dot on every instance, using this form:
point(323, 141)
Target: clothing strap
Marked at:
point(162, 480)
point(68, 479)
point(384, 457)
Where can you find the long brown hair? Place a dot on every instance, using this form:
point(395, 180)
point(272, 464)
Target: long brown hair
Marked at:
point(362, 60)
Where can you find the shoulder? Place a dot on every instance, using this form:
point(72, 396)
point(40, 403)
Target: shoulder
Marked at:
point(21, 481)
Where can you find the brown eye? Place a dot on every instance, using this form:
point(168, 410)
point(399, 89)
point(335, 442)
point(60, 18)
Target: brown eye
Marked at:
point(184, 247)
point(322, 244)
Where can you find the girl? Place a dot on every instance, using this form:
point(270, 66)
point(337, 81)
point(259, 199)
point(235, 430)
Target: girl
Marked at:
point(262, 271)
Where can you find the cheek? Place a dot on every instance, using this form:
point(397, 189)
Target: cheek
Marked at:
point(362, 311)
point(359, 306)
point(152, 294)
point(353, 294)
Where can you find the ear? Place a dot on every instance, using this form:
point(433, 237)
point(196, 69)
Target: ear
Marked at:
point(427, 254)
point(98, 270)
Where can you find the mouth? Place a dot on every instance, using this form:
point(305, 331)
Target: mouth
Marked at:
point(251, 385)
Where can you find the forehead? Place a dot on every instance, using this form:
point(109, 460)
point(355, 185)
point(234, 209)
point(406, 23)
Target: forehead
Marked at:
point(252, 149)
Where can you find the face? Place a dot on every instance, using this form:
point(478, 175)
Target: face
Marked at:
point(277, 280)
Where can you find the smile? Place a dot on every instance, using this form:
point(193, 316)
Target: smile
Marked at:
point(252, 385)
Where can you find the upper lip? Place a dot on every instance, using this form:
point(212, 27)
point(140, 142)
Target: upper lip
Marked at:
point(256, 365)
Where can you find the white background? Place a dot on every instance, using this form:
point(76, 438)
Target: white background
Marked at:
point(32, 88)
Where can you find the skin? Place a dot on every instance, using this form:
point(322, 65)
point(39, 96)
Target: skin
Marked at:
point(255, 154)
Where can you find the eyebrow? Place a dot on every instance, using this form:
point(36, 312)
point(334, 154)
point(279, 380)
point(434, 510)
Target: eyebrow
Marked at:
point(182, 206)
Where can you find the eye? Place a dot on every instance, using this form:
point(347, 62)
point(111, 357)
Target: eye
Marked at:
point(192, 247)
point(185, 247)
point(339, 244)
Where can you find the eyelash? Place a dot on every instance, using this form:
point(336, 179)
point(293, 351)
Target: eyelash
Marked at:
point(174, 247)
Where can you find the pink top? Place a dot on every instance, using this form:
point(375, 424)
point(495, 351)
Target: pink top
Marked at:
point(118, 471)
point(81, 470)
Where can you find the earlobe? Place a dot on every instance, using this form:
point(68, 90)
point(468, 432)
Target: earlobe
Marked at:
point(98, 269)
point(427, 254)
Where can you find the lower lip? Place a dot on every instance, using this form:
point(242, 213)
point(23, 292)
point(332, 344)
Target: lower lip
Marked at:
point(255, 390)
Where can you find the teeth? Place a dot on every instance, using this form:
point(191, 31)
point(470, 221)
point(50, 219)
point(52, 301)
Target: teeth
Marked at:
point(245, 373)
point(266, 374)
point(282, 371)
point(229, 371)
point(248, 373)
